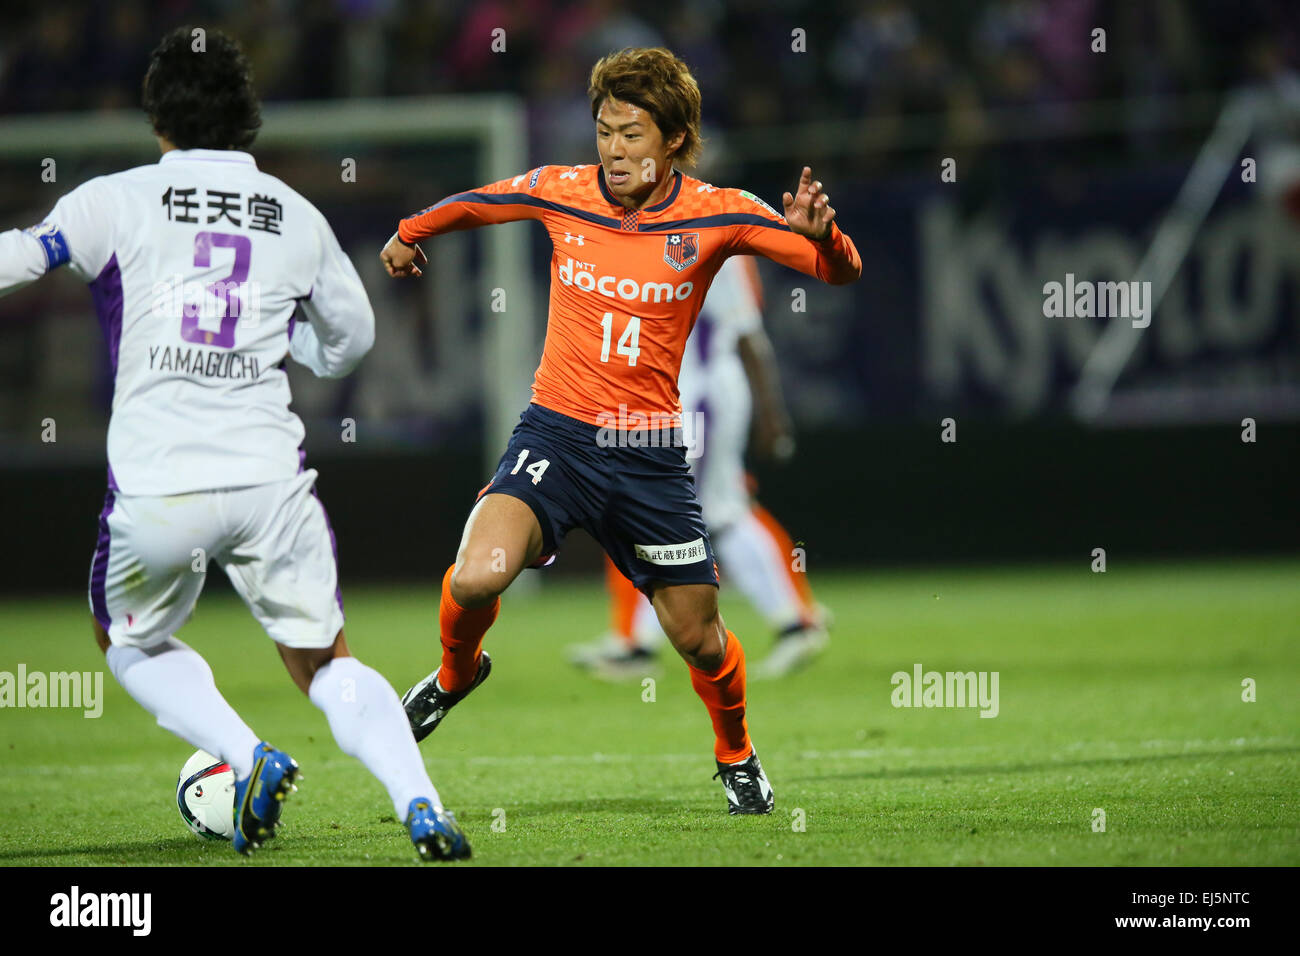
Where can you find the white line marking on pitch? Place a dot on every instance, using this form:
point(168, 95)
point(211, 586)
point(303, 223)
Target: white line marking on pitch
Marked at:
point(1183, 746)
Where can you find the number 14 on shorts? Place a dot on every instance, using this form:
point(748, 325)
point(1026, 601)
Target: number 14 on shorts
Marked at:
point(536, 469)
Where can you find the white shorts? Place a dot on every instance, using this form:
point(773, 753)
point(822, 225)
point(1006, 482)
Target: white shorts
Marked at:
point(274, 542)
point(719, 396)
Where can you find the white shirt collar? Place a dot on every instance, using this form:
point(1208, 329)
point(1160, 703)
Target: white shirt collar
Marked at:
point(209, 155)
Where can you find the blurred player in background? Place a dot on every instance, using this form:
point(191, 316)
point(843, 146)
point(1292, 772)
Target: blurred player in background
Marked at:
point(204, 455)
point(637, 243)
point(728, 370)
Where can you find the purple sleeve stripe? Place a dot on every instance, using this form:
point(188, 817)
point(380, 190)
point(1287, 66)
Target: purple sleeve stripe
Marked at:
point(334, 546)
point(106, 290)
point(99, 567)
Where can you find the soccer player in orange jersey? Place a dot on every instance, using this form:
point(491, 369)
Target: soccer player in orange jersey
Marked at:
point(637, 243)
point(728, 376)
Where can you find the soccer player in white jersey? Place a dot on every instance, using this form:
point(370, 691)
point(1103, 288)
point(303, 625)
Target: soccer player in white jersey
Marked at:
point(197, 265)
point(728, 372)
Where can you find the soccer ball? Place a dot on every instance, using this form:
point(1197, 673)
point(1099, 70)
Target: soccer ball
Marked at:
point(205, 795)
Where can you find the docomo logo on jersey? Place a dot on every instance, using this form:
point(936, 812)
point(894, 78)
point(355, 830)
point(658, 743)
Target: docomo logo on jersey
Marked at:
point(638, 430)
point(211, 303)
point(575, 273)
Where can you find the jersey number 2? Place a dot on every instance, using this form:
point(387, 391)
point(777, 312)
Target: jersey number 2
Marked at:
point(626, 342)
point(223, 289)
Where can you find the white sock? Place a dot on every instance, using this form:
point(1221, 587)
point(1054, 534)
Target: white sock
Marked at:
point(752, 560)
point(367, 720)
point(172, 682)
point(646, 630)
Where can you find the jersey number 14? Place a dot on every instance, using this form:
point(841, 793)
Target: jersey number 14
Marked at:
point(626, 342)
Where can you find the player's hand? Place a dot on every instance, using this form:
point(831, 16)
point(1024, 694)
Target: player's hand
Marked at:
point(809, 212)
point(402, 260)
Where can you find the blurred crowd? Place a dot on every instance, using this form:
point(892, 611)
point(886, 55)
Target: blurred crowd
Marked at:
point(880, 59)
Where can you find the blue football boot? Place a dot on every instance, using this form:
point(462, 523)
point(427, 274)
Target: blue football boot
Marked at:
point(259, 797)
point(435, 832)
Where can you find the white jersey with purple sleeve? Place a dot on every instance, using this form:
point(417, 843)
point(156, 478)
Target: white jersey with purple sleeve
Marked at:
point(196, 265)
point(731, 310)
point(715, 390)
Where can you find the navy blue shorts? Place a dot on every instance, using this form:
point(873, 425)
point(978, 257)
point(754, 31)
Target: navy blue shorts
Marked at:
point(632, 491)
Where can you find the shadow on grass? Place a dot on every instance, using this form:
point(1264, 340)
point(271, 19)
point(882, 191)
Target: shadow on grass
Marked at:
point(299, 851)
point(886, 773)
point(648, 807)
point(148, 852)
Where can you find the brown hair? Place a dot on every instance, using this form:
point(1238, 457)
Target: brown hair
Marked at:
point(662, 85)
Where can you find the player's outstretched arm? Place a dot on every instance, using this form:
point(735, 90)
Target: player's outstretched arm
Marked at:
point(805, 238)
point(77, 233)
point(23, 259)
point(508, 200)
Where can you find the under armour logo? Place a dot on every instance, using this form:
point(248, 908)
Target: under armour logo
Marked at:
point(569, 237)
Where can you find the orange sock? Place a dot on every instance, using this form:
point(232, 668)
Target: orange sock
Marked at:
point(782, 538)
point(723, 693)
point(623, 600)
point(462, 631)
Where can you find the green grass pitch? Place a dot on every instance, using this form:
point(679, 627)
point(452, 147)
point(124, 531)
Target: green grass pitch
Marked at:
point(1119, 691)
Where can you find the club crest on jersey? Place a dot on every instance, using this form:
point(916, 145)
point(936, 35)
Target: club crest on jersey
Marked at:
point(681, 249)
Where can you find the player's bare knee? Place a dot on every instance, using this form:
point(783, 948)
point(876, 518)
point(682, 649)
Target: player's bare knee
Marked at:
point(700, 644)
point(475, 584)
point(710, 656)
point(709, 663)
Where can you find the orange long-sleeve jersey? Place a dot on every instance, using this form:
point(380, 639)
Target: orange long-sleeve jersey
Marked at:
point(627, 284)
